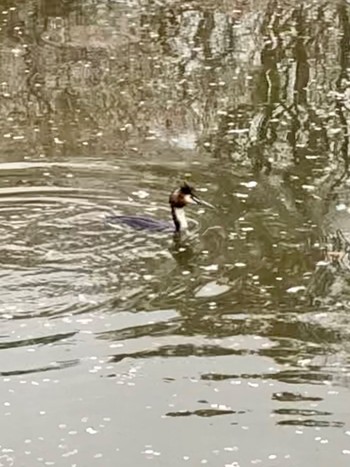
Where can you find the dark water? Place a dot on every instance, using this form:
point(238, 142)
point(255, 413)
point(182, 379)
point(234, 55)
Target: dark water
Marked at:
point(229, 347)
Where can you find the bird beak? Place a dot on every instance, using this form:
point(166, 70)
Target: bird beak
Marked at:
point(197, 200)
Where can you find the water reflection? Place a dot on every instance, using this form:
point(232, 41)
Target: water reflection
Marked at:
point(104, 108)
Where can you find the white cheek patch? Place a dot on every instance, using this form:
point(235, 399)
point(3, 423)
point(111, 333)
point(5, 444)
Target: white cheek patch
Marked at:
point(189, 200)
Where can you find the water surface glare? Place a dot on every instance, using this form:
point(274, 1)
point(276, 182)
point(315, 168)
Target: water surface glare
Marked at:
point(228, 346)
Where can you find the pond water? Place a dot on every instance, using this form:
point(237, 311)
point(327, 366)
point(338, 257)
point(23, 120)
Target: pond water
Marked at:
point(228, 346)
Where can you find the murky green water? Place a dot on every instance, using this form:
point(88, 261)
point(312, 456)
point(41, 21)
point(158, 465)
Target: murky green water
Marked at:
point(229, 347)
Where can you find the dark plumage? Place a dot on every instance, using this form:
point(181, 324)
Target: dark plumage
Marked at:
point(177, 198)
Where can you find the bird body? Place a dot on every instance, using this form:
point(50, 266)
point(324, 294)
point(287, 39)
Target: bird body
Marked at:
point(141, 223)
point(178, 200)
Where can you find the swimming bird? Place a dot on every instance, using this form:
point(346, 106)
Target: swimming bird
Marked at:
point(178, 200)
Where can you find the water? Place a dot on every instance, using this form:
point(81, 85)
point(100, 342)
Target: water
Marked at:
point(229, 347)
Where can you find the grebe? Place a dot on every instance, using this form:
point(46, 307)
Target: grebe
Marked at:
point(178, 200)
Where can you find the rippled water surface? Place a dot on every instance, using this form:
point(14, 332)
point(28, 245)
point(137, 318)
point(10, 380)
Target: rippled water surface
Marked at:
point(228, 346)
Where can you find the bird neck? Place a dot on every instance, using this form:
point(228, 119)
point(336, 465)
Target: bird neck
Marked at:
point(179, 218)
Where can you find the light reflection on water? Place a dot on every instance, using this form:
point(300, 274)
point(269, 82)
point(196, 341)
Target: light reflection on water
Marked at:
point(227, 347)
